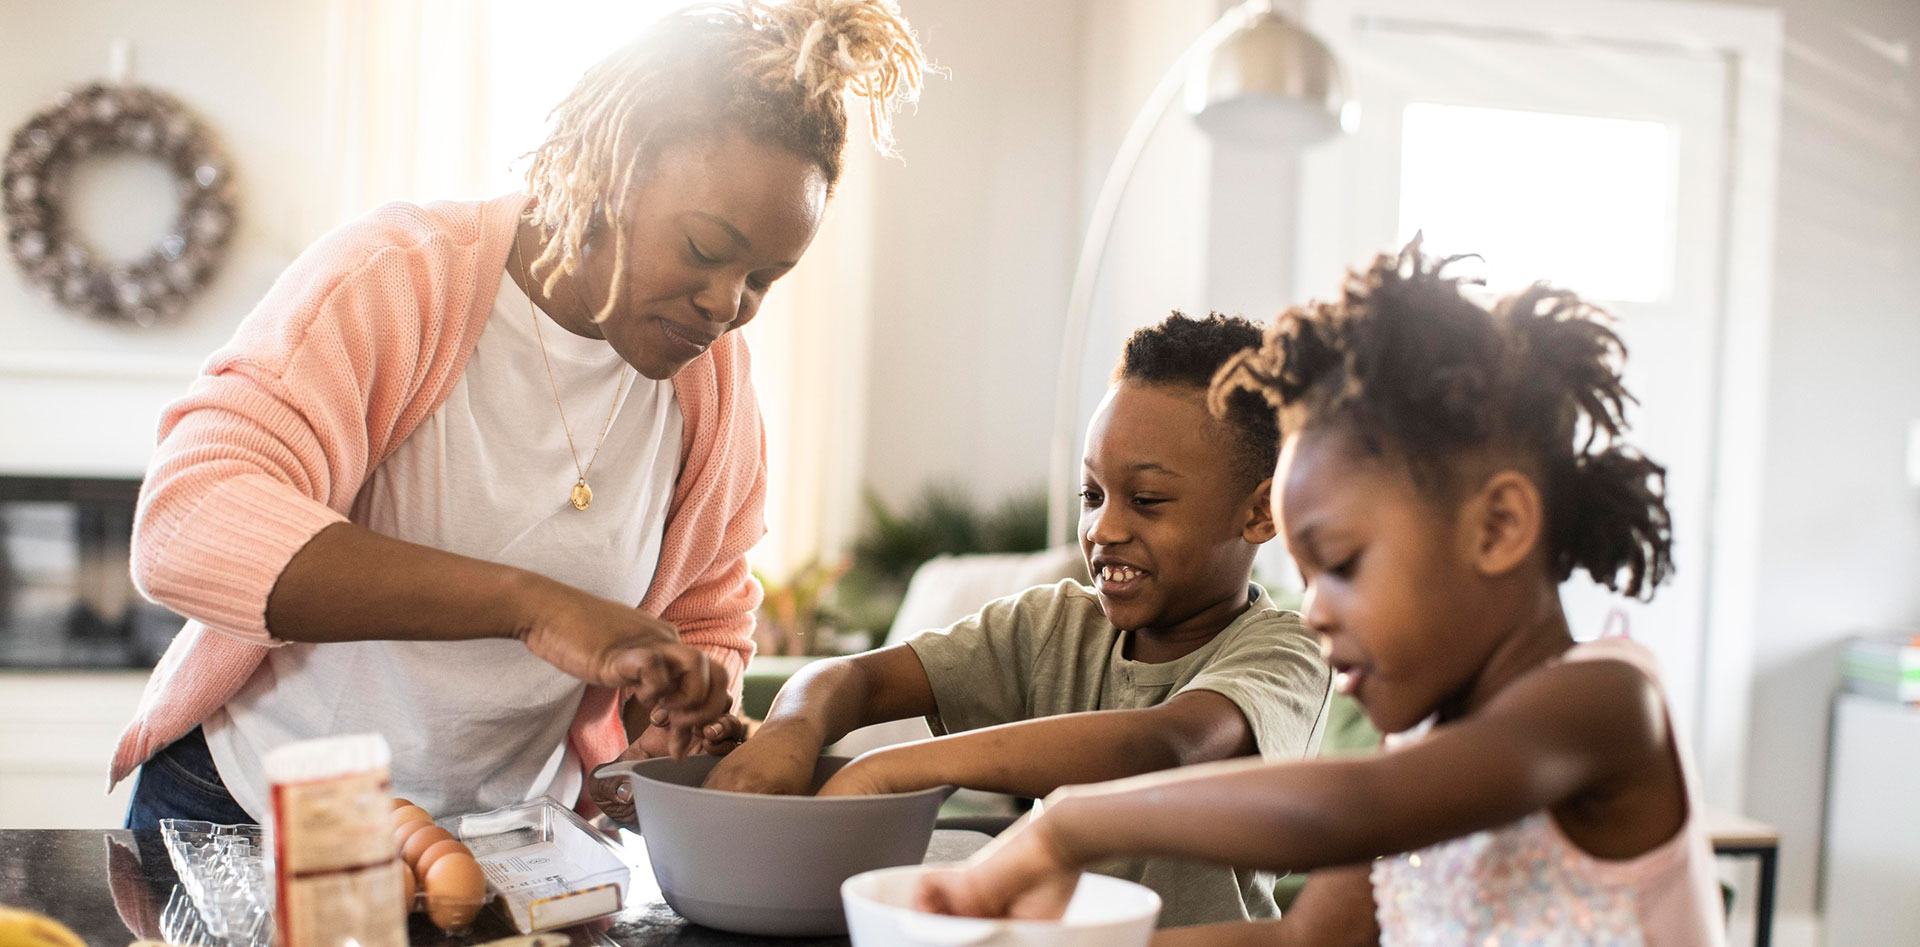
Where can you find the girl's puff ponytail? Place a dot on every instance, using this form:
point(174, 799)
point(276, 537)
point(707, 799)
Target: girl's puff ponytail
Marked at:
point(1607, 511)
point(1409, 365)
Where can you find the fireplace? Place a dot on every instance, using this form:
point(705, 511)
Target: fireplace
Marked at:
point(66, 598)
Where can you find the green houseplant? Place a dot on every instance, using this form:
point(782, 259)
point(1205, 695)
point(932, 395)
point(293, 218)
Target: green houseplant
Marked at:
point(942, 519)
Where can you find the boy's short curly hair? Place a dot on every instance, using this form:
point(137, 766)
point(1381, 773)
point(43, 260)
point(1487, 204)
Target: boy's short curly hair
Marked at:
point(1187, 352)
point(1412, 368)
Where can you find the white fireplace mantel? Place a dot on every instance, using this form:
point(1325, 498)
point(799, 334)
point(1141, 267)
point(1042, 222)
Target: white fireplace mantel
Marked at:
point(87, 414)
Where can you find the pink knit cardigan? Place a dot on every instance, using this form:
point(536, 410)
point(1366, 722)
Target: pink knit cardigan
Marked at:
point(356, 344)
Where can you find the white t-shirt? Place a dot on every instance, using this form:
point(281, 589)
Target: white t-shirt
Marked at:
point(475, 725)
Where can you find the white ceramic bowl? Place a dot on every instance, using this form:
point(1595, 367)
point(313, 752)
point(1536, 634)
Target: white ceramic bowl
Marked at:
point(1104, 912)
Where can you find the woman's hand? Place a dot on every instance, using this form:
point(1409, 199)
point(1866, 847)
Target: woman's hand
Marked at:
point(779, 760)
point(1019, 875)
point(604, 642)
point(678, 734)
point(615, 797)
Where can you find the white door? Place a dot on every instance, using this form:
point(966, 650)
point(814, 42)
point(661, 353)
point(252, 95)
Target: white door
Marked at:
point(1598, 166)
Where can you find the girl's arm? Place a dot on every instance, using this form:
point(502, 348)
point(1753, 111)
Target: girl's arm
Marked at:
point(1591, 729)
point(1035, 757)
point(1555, 734)
point(825, 701)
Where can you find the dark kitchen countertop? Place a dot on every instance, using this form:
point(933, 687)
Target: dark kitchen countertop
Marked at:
point(113, 886)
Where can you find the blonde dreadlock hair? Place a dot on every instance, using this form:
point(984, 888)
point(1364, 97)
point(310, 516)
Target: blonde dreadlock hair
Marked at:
point(779, 73)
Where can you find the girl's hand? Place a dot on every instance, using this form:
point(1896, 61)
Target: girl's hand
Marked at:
point(1020, 875)
point(615, 798)
point(777, 761)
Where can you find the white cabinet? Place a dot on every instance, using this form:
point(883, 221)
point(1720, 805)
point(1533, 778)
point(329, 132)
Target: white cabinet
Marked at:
point(1872, 861)
point(57, 734)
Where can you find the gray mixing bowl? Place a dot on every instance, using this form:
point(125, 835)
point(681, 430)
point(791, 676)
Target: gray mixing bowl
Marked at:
point(768, 864)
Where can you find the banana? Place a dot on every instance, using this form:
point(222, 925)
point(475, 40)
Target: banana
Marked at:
point(21, 928)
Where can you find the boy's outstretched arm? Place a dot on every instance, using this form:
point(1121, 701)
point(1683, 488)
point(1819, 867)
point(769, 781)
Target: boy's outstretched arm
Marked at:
point(825, 701)
point(1035, 757)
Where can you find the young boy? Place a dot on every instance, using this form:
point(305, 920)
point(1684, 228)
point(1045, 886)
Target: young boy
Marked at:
point(1173, 657)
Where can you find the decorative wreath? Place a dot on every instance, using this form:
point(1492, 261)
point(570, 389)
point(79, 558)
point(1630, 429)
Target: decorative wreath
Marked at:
point(100, 118)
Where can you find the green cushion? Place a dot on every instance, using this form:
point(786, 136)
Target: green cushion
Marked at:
point(1348, 733)
point(765, 676)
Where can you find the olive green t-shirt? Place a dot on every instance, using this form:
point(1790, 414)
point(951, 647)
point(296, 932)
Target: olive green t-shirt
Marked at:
point(1050, 650)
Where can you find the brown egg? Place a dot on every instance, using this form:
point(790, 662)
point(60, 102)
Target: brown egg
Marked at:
point(409, 813)
point(436, 851)
point(405, 830)
point(456, 889)
point(417, 843)
point(408, 884)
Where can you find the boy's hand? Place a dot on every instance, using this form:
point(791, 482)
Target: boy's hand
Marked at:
point(1018, 875)
point(777, 761)
point(872, 775)
point(614, 797)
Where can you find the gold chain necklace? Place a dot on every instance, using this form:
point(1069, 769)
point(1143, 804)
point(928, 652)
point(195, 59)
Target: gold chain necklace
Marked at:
point(581, 495)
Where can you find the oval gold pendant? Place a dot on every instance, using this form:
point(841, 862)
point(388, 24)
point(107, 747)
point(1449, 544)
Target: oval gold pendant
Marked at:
point(581, 496)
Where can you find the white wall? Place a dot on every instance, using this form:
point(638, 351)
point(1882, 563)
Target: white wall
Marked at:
point(1840, 542)
point(972, 251)
point(1155, 259)
point(978, 232)
point(81, 397)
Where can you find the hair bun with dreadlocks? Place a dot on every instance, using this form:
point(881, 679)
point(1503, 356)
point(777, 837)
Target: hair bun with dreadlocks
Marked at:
point(777, 73)
point(832, 47)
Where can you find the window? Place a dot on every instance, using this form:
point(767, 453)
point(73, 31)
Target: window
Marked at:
point(537, 52)
point(1581, 201)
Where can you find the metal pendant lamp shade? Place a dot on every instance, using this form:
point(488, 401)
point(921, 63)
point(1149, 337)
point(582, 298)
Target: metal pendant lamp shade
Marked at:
point(1271, 83)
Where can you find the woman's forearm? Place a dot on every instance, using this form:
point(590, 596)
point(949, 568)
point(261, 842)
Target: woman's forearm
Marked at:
point(352, 584)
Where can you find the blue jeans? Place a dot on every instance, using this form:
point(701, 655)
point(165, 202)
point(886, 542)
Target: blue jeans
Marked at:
point(181, 782)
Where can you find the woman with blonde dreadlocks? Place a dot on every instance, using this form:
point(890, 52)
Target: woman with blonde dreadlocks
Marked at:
point(481, 477)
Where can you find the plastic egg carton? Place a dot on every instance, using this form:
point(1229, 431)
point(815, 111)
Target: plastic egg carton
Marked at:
point(226, 872)
point(548, 867)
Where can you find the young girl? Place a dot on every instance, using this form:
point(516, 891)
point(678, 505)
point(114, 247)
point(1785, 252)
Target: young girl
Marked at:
point(1445, 468)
